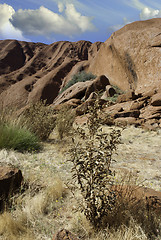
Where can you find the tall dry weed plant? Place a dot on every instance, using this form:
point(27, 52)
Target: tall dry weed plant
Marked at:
point(91, 160)
point(104, 201)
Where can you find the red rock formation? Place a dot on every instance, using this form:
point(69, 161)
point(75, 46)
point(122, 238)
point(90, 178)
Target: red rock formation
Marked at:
point(131, 57)
point(33, 71)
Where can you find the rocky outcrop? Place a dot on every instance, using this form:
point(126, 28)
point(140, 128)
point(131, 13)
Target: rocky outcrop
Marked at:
point(156, 100)
point(33, 71)
point(131, 57)
point(82, 90)
point(97, 85)
point(137, 195)
point(10, 181)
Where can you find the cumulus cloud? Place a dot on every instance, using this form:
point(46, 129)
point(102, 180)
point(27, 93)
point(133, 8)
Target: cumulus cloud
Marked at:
point(145, 13)
point(148, 13)
point(43, 21)
point(7, 30)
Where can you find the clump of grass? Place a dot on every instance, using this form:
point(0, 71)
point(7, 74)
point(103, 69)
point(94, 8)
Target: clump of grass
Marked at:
point(18, 138)
point(39, 119)
point(118, 90)
point(78, 77)
point(13, 229)
point(113, 99)
point(32, 215)
point(64, 121)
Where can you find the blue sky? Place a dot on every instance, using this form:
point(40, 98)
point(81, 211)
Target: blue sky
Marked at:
point(48, 21)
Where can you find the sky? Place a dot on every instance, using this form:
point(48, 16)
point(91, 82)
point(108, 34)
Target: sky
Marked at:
point(48, 21)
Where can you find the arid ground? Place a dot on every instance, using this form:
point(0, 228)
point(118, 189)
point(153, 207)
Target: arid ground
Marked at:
point(48, 205)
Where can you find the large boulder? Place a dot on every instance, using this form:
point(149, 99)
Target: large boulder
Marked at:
point(151, 112)
point(131, 57)
point(76, 91)
point(138, 195)
point(10, 181)
point(156, 100)
point(97, 85)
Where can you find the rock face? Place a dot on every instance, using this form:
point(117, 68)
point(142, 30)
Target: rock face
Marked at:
point(156, 100)
point(131, 57)
point(33, 71)
point(10, 181)
point(137, 194)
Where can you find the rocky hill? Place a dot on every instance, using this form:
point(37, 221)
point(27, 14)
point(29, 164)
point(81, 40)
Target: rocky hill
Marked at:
point(129, 59)
point(33, 71)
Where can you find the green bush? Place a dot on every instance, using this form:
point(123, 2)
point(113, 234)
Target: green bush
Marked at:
point(17, 138)
point(78, 77)
point(39, 119)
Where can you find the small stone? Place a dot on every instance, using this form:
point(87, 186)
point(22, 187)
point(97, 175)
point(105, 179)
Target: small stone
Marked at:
point(64, 235)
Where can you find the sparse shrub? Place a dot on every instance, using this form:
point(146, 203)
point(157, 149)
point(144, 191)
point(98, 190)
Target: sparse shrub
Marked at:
point(101, 202)
point(17, 138)
point(118, 90)
point(40, 119)
point(64, 121)
point(113, 99)
point(91, 160)
point(79, 77)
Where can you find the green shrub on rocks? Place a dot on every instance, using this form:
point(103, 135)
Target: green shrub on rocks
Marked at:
point(78, 77)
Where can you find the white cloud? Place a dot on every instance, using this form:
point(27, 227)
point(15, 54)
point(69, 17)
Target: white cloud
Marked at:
point(82, 22)
point(60, 7)
point(43, 21)
point(148, 13)
point(118, 26)
point(137, 4)
point(7, 30)
point(145, 12)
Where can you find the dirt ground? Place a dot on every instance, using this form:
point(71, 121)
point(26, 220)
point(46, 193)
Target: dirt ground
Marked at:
point(139, 153)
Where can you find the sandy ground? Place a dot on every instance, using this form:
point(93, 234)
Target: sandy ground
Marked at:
point(139, 152)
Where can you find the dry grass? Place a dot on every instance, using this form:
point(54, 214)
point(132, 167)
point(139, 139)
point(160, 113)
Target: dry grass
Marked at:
point(48, 206)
